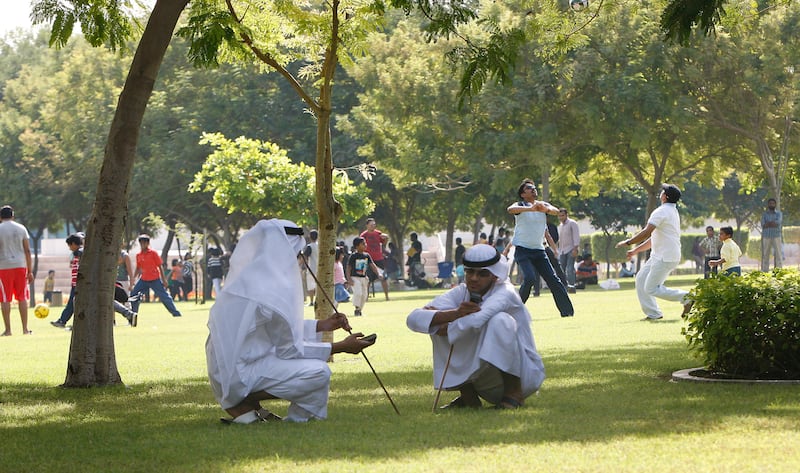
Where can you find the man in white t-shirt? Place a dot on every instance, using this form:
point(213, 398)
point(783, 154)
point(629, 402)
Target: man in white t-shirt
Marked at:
point(662, 236)
point(15, 268)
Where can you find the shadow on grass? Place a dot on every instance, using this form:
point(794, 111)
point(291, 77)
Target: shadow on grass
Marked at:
point(589, 396)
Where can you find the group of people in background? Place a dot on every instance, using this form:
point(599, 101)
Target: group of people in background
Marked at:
point(541, 251)
point(371, 258)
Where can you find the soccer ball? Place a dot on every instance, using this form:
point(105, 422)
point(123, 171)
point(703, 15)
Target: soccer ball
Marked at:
point(41, 311)
point(578, 5)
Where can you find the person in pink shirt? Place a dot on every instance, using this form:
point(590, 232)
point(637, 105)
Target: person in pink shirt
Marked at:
point(340, 293)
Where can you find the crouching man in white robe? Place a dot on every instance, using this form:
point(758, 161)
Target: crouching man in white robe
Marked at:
point(488, 328)
point(259, 346)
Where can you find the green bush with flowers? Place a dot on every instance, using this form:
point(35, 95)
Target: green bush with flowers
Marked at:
point(747, 327)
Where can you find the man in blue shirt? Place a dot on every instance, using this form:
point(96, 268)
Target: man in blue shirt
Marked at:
point(771, 225)
point(530, 216)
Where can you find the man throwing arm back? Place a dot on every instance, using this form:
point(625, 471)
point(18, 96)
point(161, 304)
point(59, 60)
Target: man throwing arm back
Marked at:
point(488, 329)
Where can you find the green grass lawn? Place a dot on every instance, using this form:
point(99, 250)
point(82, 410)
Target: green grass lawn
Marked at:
point(607, 405)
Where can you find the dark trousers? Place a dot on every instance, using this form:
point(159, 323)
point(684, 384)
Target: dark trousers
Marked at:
point(532, 262)
point(69, 309)
point(707, 270)
point(537, 283)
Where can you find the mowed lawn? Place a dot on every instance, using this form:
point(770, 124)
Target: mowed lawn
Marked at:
point(607, 405)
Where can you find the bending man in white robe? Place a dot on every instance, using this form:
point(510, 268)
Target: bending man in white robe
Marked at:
point(259, 346)
point(488, 327)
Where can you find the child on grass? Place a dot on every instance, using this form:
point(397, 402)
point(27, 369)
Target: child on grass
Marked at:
point(729, 254)
point(49, 286)
point(357, 266)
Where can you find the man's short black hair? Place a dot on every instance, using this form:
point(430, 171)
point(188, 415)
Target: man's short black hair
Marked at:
point(6, 212)
point(672, 192)
point(74, 240)
point(525, 183)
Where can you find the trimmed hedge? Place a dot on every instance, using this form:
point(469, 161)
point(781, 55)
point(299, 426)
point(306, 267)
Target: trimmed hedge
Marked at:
point(749, 326)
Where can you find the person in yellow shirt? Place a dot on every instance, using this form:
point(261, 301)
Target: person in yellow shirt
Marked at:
point(49, 286)
point(729, 253)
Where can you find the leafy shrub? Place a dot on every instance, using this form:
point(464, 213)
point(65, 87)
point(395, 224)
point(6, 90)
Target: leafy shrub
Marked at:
point(749, 326)
point(791, 234)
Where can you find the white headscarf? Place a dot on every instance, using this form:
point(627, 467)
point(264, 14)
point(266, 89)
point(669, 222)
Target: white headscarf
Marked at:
point(264, 267)
point(487, 256)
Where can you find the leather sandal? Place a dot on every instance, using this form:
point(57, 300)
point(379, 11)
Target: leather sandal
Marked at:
point(508, 403)
point(458, 403)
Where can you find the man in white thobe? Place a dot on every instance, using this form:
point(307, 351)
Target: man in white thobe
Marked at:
point(488, 328)
point(259, 346)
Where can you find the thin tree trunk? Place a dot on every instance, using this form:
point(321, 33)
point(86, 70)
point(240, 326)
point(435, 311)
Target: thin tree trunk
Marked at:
point(328, 208)
point(92, 360)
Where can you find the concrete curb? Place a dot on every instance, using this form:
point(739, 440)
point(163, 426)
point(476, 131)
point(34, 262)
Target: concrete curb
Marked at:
point(685, 375)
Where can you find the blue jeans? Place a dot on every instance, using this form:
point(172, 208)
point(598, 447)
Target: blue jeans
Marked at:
point(736, 270)
point(536, 261)
point(69, 309)
point(158, 288)
point(567, 262)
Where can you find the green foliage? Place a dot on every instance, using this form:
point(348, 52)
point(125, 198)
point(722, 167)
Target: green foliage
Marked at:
point(791, 234)
point(102, 22)
point(206, 32)
point(603, 247)
point(753, 249)
point(612, 211)
point(748, 326)
point(259, 179)
point(494, 61)
point(680, 16)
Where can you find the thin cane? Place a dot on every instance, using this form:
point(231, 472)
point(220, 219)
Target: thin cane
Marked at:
point(441, 383)
point(327, 298)
point(473, 297)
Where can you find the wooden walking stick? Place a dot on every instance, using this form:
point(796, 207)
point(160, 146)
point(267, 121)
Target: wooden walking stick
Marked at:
point(327, 298)
point(473, 297)
point(441, 383)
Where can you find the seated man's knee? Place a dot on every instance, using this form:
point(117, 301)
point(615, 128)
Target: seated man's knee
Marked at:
point(315, 376)
point(502, 323)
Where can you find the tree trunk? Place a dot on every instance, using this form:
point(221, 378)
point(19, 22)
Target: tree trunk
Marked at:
point(451, 228)
point(328, 208)
point(92, 361)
